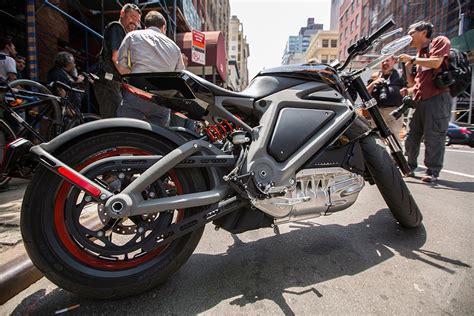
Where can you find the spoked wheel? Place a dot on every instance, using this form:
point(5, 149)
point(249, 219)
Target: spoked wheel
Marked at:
point(86, 118)
point(50, 123)
point(73, 241)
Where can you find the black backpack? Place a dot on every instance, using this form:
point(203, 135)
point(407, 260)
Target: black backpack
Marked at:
point(455, 74)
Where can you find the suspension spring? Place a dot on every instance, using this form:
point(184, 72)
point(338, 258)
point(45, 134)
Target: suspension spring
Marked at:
point(220, 130)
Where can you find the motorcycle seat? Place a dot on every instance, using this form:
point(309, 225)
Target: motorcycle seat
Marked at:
point(259, 87)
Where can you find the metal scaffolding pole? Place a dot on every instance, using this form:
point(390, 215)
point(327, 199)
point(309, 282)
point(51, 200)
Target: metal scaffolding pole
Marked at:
point(73, 19)
point(31, 36)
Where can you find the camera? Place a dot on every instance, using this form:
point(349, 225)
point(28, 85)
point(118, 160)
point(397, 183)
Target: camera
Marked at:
point(381, 90)
point(407, 103)
point(443, 79)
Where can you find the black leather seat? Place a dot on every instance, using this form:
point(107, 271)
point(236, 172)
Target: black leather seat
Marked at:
point(260, 86)
point(216, 90)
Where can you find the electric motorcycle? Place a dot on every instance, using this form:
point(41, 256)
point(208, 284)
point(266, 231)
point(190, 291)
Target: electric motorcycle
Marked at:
point(117, 206)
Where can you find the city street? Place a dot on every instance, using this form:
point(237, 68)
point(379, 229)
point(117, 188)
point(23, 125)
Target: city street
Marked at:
point(354, 262)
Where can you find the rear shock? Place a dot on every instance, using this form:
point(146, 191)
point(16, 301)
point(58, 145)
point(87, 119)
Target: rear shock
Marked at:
point(219, 131)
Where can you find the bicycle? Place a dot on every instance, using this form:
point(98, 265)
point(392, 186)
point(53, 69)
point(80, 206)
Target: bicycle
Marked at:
point(49, 115)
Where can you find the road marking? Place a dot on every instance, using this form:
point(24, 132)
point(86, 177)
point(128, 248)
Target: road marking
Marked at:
point(454, 172)
point(454, 150)
point(459, 151)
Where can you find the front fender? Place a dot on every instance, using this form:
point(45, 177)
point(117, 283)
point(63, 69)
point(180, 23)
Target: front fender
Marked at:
point(112, 123)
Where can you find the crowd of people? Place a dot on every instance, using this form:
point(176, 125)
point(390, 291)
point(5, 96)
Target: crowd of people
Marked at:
point(432, 112)
point(129, 49)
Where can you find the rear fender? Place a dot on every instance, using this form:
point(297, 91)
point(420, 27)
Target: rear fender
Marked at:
point(119, 124)
point(82, 131)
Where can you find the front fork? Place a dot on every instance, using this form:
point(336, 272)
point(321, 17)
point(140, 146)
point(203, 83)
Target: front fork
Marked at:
point(393, 143)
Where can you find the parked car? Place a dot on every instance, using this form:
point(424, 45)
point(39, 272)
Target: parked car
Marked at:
point(461, 135)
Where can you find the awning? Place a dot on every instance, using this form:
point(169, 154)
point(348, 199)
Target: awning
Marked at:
point(216, 59)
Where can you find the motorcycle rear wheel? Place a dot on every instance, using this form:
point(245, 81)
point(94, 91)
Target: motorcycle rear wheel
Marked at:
point(390, 182)
point(99, 257)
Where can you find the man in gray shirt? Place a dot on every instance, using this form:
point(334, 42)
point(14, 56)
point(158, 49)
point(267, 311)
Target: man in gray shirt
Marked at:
point(145, 51)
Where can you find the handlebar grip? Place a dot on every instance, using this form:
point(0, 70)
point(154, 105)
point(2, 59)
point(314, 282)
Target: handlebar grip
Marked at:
point(381, 30)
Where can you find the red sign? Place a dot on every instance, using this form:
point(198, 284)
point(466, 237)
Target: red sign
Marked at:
point(198, 48)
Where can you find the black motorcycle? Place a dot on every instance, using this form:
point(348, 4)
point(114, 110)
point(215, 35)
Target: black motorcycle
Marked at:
point(117, 206)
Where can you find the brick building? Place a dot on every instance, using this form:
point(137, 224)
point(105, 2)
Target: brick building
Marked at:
point(441, 13)
point(353, 24)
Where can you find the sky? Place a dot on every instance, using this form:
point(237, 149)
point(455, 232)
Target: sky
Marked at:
point(268, 24)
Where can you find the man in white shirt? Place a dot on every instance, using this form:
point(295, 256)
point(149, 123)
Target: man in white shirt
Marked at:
point(7, 63)
point(146, 51)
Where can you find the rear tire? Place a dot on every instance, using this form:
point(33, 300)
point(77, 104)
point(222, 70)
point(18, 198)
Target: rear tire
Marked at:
point(389, 180)
point(95, 260)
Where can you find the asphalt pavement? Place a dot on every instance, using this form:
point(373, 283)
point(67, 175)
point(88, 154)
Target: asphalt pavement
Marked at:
point(358, 261)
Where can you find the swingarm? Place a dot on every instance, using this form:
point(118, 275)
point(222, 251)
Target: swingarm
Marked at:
point(130, 201)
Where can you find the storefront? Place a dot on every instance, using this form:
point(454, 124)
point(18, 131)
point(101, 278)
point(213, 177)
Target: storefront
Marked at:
point(215, 69)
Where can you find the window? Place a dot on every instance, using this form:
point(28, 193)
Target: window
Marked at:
point(234, 47)
point(357, 20)
point(340, 37)
point(333, 58)
point(324, 59)
point(352, 7)
point(333, 43)
point(352, 25)
point(325, 43)
point(345, 33)
point(364, 11)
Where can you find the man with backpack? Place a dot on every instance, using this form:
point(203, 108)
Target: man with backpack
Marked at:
point(433, 103)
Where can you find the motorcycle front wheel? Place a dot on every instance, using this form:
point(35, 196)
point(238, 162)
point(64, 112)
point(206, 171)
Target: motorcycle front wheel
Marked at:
point(70, 238)
point(390, 182)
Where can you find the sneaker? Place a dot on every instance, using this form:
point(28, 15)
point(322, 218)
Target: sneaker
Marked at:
point(429, 178)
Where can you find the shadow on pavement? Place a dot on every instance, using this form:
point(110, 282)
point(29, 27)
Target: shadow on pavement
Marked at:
point(265, 269)
point(448, 185)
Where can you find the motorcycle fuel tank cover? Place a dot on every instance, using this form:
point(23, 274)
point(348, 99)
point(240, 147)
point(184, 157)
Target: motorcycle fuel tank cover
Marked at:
point(293, 128)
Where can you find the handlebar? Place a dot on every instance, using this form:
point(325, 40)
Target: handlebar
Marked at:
point(380, 31)
point(59, 84)
point(365, 43)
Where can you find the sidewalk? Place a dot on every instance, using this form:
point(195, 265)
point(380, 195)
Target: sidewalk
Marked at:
point(10, 205)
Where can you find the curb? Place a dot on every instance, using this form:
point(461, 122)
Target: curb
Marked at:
point(20, 272)
point(16, 275)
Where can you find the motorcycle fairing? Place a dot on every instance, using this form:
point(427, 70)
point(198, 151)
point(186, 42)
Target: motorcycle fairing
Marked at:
point(309, 121)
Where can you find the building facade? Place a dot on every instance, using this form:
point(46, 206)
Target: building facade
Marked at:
point(335, 5)
point(296, 46)
point(239, 51)
point(323, 47)
point(353, 24)
point(444, 15)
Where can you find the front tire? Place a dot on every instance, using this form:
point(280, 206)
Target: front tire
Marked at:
point(390, 183)
point(79, 248)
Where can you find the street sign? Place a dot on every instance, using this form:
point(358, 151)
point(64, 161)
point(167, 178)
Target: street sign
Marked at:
point(198, 48)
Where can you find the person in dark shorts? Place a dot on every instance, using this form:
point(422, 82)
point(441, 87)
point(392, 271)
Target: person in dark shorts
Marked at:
point(107, 87)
